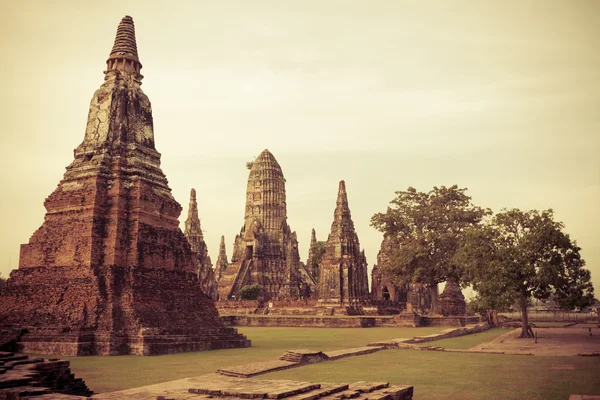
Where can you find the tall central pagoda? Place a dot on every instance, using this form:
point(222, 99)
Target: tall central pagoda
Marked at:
point(266, 250)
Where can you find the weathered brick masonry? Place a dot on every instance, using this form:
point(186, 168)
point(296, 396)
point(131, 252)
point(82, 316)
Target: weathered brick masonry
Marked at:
point(109, 271)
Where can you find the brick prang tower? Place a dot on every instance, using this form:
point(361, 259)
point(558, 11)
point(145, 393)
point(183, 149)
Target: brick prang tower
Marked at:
point(266, 250)
point(109, 272)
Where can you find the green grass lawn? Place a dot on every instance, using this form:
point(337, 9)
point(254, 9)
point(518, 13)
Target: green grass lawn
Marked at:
point(104, 374)
point(468, 341)
point(464, 376)
point(550, 324)
point(435, 375)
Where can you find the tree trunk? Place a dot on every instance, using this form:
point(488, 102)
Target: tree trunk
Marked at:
point(524, 321)
point(433, 294)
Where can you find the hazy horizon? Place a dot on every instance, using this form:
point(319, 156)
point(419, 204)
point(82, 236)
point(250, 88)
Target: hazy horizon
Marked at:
point(501, 98)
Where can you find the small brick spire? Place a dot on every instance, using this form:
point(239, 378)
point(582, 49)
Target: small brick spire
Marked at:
point(222, 263)
point(342, 220)
point(193, 230)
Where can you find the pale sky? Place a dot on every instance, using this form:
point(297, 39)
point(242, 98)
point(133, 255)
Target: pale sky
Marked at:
point(499, 97)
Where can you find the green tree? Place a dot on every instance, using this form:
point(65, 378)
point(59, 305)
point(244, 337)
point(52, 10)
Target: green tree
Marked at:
point(518, 255)
point(250, 292)
point(426, 229)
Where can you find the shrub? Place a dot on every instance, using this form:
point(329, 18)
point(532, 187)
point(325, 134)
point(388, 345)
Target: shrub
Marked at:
point(250, 292)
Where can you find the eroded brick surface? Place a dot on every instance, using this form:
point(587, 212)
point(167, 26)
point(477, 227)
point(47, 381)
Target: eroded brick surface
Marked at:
point(224, 387)
point(452, 301)
point(109, 271)
point(193, 233)
point(22, 376)
point(266, 250)
point(343, 270)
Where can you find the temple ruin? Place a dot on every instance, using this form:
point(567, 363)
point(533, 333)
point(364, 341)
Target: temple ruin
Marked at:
point(382, 287)
point(392, 294)
point(193, 233)
point(452, 301)
point(343, 280)
point(110, 272)
point(316, 250)
point(266, 250)
point(222, 262)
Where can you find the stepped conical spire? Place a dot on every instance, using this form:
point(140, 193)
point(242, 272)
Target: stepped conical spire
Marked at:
point(341, 217)
point(311, 247)
point(315, 253)
point(221, 260)
point(266, 250)
point(124, 55)
point(192, 223)
point(222, 251)
point(342, 195)
point(342, 198)
point(265, 194)
point(343, 268)
point(313, 238)
point(193, 233)
point(120, 116)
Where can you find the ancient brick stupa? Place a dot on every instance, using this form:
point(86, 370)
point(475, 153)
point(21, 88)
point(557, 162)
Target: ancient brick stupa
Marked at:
point(266, 250)
point(109, 272)
point(193, 233)
point(343, 278)
point(452, 301)
point(222, 262)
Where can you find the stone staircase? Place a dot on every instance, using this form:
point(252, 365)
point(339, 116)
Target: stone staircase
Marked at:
point(257, 368)
point(291, 356)
point(25, 377)
point(304, 356)
point(326, 389)
point(240, 277)
point(357, 351)
point(231, 388)
point(290, 359)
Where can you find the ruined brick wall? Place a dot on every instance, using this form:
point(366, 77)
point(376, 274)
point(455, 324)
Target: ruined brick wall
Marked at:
point(171, 300)
point(26, 377)
point(309, 322)
point(63, 297)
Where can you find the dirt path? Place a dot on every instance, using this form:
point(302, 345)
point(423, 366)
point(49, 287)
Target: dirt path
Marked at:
point(570, 341)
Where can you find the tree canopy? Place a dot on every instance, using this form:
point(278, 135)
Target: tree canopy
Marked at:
point(250, 292)
point(425, 230)
point(518, 255)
